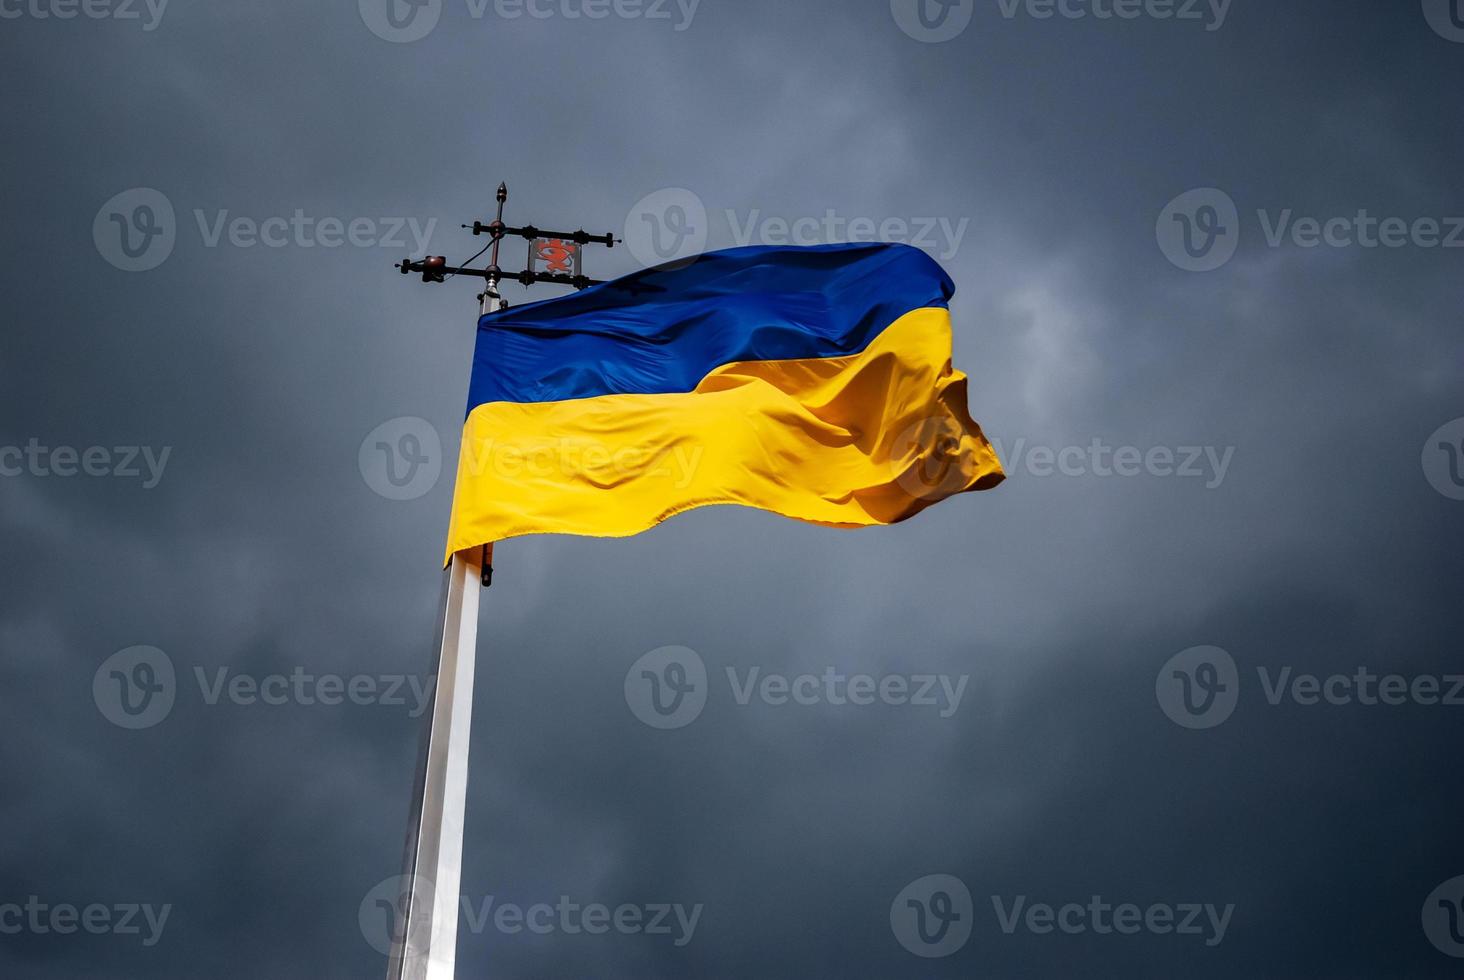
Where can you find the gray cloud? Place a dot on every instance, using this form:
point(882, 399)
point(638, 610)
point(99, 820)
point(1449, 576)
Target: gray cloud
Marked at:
point(262, 549)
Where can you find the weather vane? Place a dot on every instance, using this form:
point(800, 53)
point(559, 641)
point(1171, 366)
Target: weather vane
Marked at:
point(554, 257)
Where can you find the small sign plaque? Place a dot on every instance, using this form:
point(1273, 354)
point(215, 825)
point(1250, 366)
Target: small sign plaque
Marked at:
point(554, 256)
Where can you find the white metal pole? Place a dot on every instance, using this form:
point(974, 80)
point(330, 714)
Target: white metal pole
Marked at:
point(424, 942)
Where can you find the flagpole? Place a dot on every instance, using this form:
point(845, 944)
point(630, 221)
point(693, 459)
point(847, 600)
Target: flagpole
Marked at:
point(424, 942)
point(424, 936)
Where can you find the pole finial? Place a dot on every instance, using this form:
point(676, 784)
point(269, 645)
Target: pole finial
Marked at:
point(503, 190)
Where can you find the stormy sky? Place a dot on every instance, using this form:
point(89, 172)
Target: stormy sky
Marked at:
point(1208, 295)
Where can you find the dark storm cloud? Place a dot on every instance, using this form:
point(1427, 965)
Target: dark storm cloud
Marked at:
point(1054, 145)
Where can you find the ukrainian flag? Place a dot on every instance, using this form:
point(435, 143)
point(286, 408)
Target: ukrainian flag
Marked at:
point(815, 383)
